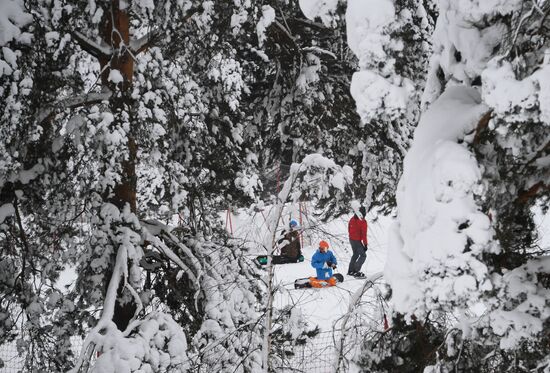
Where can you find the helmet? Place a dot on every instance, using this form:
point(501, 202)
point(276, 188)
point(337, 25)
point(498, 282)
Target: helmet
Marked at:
point(323, 244)
point(293, 223)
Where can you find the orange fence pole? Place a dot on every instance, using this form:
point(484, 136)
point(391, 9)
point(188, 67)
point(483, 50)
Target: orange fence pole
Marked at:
point(228, 219)
point(301, 230)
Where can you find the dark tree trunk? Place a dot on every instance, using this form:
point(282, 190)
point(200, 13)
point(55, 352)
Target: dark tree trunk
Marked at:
point(116, 33)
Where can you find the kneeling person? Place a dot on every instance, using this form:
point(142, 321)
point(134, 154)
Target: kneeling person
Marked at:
point(292, 250)
point(324, 261)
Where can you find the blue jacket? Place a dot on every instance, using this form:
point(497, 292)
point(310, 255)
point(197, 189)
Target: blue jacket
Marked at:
point(318, 261)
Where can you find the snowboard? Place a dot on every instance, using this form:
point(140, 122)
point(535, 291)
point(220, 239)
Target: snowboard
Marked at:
point(314, 282)
point(279, 259)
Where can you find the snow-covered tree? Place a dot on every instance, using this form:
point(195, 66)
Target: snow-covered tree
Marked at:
point(465, 247)
point(115, 117)
point(303, 96)
point(391, 40)
point(305, 104)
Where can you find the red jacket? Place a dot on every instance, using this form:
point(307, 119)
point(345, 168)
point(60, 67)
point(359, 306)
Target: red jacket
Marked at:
point(357, 229)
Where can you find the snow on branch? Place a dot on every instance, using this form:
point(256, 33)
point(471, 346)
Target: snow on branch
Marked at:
point(71, 103)
point(139, 45)
point(319, 51)
point(441, 228)
point(320, 180)
point(98, 50)
point(320, 9)
point(309, 23)
point(353, 304)
point(164, 249)
point(106, 319)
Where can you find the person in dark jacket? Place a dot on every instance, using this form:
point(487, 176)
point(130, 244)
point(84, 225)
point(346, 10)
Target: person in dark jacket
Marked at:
point(357, 229)
point(324, 261)
point(292, 249)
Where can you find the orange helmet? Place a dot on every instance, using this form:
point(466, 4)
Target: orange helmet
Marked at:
point(323, 244)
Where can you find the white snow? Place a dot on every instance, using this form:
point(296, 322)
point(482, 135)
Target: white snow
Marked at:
point(365, 24)
point(505, 94)
point(435, 195)
point(26, 176)
point(10, 57)
point(6, 210)
point(12, 18)
point(267, 18)
point(115, 76)
point(52, 37)
point(158, 344)
point(372, 92)
point(322, 307)
point(376, 88)
point(323, 9)
point(309, 73)
point(455, 36)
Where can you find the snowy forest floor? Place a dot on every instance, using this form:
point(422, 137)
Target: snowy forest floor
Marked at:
point(324, 308)
point(327, 307)
point(321, 307)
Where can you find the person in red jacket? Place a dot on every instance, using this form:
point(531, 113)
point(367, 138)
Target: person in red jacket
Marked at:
point(357, 229)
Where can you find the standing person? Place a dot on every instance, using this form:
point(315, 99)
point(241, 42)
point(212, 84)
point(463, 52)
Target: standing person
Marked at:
point(324, 261)
point(292, 250)
point(357, 229)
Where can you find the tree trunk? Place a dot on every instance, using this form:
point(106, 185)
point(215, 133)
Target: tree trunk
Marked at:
point(116, 33)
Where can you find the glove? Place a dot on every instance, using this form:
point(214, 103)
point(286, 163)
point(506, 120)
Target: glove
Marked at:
point(330, 264)
point(365, 247)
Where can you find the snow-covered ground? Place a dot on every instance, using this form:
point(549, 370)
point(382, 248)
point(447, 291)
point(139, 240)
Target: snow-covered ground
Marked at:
point(322, 307)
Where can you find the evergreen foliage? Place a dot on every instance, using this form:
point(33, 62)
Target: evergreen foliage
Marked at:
point(510, 146)
point(126, 126)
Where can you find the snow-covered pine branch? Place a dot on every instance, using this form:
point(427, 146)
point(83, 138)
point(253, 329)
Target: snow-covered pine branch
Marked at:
point(98, 49)
point(86, 99)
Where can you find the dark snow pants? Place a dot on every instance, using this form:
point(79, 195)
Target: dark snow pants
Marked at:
point(358, 257)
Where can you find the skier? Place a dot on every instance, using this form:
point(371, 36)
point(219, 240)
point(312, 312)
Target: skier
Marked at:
point(293, 249)
point(357, 229)
point(324, 261)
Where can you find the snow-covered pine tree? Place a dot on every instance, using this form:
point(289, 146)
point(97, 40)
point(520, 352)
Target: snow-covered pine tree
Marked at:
point(116, 116)
point(304, 96)
point(301, 89)
point(465, 254)
point(513, 148)
point(36, 225)
point(391, 39)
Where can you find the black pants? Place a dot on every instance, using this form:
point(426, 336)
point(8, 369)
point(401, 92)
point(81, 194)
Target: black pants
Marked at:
point(280, 259)
point(358, 257)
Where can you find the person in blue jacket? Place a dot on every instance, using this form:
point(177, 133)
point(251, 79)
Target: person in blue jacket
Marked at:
point(324, 261)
